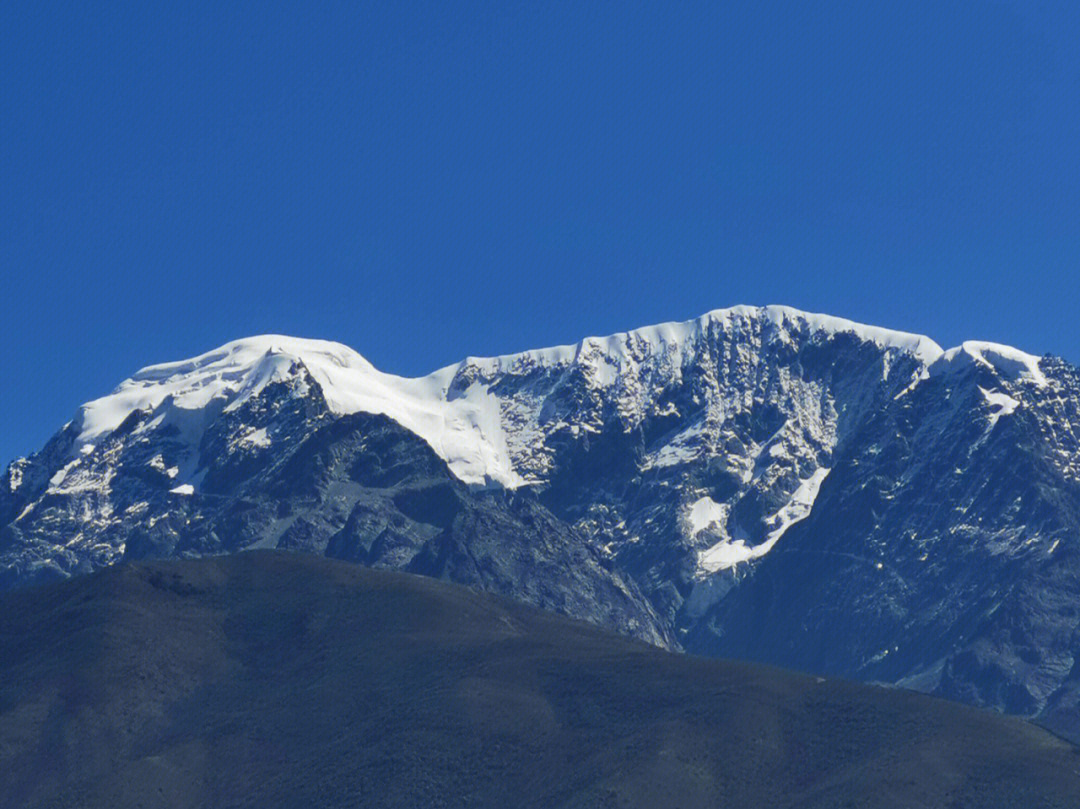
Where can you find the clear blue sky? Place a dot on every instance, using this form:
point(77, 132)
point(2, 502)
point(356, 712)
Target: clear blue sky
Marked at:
point(425, 181)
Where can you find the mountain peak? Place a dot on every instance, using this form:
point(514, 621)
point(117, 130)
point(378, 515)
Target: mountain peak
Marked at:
point(233, 372)
point(1010, 363)
point(783, 320)
point(920, 345)
point(463, 422)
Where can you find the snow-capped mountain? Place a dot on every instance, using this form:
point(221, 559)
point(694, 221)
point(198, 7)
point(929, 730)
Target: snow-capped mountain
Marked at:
point(941, 553)
point(758, 481)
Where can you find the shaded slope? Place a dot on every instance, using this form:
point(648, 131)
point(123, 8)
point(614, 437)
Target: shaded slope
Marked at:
point(941, 553)
point(358, 487)
point(289, 680)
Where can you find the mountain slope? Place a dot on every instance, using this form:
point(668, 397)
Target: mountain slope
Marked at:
point(741, 408)
point(942, 551)
point(283, 679)
point(757, 482)
point(357, 487)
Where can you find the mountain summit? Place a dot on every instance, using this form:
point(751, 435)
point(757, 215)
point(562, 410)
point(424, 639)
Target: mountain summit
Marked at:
point(758, 482)
point(455, 409)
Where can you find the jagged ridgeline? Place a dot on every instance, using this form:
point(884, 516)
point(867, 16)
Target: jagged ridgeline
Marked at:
point(758, 482)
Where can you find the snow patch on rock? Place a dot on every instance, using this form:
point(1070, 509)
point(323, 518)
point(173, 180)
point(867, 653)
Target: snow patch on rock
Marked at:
point(1005, 404)
point(255, 439)
point(706, 513)
point(729, 553)
point(15, 474)
point(57, 479)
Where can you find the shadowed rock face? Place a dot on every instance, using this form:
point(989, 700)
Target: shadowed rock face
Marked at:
point(758, 483)
point(357, 487)
point(276, 679)
point(941, 553)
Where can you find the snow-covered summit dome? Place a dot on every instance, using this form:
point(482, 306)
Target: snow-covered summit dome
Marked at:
point(234, 371)
point(1010, 363)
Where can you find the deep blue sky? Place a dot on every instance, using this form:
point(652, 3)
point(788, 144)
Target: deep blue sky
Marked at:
point(425, 181)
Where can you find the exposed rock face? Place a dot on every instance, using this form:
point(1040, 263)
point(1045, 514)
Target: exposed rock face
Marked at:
point(941, 553)
point(756, 482)
point(357, 487)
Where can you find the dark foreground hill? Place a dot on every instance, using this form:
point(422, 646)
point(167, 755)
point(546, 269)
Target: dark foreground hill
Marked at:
point(274, 679)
